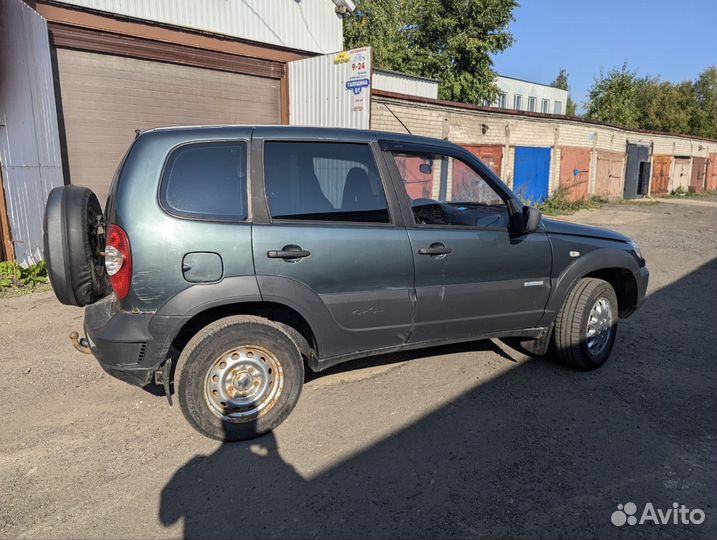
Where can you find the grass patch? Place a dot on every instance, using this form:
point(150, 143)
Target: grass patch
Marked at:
point(20, 279)
point(558, 203)
point(636, 202)
point(680, 193)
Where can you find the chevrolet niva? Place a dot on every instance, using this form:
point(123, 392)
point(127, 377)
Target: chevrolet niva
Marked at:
point(227, 258)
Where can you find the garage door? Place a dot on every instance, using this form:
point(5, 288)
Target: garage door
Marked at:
point(681, 174)
point(575, 172)
point(106, 98)
point(661, 174)
point(491, 155)
point(531, 173)
point(697, 180)
point(608, 174)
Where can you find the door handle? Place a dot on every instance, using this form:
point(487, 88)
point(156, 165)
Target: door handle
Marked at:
point(292, 253)
point(435, 249)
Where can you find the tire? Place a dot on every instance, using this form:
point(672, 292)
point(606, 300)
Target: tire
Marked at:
point(244, 398)
point(73, 246)
point(575, 348)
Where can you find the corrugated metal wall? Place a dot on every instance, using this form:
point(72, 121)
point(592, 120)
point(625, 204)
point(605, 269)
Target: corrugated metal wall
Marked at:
point(29, 137)
point(318, 93)
point(309, 25)
point(404, 84)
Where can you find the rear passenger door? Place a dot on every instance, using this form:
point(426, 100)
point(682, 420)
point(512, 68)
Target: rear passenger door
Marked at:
point(328, 236)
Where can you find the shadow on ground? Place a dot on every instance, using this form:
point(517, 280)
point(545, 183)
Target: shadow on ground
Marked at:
point(542, 451)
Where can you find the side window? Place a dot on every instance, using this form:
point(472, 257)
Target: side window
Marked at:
point(316, 181)
point(206, 181)
point(446, 191)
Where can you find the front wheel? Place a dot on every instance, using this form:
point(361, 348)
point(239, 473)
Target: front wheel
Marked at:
point(239, 378)
point(586, 326)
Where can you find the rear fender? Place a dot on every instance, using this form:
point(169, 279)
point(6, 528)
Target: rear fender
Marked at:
point(171, 317)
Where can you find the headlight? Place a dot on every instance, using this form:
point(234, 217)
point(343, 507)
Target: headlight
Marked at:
point(636, 248)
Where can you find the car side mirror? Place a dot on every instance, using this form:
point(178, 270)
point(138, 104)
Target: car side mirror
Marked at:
point(531, 219)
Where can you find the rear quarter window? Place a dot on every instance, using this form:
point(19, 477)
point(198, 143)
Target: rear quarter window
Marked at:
point(206, 181)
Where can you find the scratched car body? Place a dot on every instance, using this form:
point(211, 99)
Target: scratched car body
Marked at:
point(228, 259)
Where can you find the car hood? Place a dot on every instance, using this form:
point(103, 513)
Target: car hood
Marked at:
point(556, 226)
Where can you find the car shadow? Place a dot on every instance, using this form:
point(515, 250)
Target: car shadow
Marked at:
point(541, 451)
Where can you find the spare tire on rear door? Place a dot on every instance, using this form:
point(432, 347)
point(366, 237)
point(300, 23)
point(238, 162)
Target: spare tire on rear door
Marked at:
point(74, 244)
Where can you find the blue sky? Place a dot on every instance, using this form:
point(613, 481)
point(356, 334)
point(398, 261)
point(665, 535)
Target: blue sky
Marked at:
point(673, 39)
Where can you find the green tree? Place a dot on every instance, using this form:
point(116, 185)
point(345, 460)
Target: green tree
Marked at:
point(664, 106)
point(450, 40)
point(561, 81)
point(704, 119)
point(612, 97)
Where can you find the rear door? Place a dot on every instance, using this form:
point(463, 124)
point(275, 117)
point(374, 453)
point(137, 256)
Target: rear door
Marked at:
point(472, 276)
point(333, 234)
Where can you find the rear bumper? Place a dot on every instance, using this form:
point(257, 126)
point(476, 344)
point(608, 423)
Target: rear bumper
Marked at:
point(128, 346)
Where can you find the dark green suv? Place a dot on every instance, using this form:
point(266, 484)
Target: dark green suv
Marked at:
point(228, 258)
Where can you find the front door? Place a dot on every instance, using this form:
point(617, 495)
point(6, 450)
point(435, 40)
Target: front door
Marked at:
point(334, 241)
point(473, 277)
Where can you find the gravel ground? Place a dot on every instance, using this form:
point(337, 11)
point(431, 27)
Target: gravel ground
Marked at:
point(465, 441)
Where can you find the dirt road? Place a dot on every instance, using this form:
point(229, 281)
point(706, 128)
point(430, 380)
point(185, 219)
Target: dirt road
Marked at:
point(469, 441)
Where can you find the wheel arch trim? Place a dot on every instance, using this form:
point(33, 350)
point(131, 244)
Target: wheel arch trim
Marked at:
point(244, 294)
point(603, 259)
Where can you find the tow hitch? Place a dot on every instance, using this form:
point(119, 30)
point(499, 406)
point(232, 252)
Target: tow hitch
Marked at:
point(81, 344)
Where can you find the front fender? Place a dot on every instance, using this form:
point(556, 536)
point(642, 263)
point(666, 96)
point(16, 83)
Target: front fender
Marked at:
point(596, 258)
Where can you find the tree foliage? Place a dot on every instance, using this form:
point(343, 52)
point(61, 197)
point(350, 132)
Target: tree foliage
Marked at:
point(612, 97)
point(704, 121)
point(561, 81)
point(663, 106)
point(450, 40)
point(622, 97)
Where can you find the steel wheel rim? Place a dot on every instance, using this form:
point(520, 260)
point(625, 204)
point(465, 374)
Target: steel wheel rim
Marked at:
point(243, 383)
point(599, 327)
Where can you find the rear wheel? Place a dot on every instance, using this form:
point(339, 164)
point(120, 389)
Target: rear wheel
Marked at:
point(239, 378)
point(586, 326)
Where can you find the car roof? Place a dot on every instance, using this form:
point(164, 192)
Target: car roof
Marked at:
point(303, 132)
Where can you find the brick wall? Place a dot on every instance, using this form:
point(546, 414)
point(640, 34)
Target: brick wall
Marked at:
point(468, 125)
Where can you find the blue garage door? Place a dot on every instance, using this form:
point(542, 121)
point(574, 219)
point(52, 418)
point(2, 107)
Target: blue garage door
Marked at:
point(532, 173)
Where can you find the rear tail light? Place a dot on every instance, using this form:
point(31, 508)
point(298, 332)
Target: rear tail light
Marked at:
point(118, 260)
